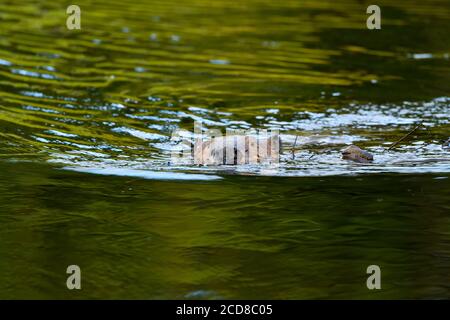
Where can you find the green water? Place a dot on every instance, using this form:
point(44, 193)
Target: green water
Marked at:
point(86, 118)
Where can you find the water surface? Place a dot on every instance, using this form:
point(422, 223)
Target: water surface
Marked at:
point(86, 118)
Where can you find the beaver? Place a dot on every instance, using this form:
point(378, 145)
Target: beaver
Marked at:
point(237, 149)
point(356, 154)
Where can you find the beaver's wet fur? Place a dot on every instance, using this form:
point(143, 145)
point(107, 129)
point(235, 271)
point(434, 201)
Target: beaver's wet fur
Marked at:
point(356, 154)
point(237, 149)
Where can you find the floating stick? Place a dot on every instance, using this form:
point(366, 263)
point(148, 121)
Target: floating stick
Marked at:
point(293, 148)
point(404, 137)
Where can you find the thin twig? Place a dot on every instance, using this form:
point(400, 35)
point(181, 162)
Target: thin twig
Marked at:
point(293, 148)
point(404, 137)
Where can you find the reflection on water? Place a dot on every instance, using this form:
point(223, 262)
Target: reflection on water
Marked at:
point(145, 174)
point(105, 100)
point(238, 237)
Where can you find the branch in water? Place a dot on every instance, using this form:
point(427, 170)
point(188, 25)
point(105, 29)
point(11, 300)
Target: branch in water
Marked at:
point(293, 148)
point(404, 137)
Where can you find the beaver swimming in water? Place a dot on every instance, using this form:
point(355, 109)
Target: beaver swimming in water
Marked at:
point(356, 154)
point(240, 149)
point(237, 149)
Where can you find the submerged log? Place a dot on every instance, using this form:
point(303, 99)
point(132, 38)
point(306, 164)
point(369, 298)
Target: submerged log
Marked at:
point(356, 154)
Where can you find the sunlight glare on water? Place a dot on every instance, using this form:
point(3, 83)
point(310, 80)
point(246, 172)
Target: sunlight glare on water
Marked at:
point(116, 90)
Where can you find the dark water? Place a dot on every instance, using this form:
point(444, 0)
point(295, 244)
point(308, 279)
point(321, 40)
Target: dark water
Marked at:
point(86, 118)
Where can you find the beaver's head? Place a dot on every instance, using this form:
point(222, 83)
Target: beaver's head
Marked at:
point(356, 154)
point(237, 149)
